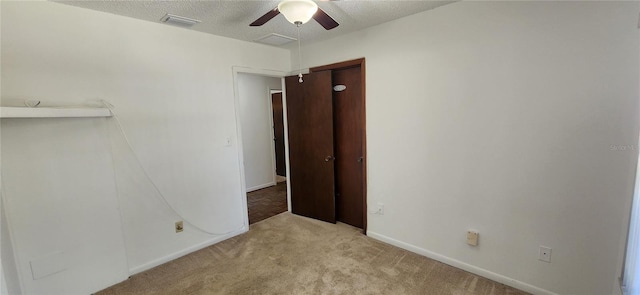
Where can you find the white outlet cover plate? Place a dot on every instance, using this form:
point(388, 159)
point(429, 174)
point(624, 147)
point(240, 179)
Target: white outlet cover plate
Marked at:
point(545, 254)
point(472, 238)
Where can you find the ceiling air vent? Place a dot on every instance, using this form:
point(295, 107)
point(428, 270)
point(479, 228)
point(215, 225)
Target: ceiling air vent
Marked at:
point(275, 39)
point(179, 21)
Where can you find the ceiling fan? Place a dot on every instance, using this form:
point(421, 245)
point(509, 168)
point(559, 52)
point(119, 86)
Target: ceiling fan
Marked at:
point(298, 12)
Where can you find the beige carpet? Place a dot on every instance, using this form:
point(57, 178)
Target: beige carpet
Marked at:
point(289, 254)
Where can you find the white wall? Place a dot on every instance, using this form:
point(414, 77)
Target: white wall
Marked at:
point(501, 117)
point(10, 281)
point(3, 283)
point(173, 92)
point(257, 128)
point(62, 208)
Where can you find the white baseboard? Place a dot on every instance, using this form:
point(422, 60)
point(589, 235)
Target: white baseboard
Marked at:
point(257, 187)
point(461, 265)
point(175, 255)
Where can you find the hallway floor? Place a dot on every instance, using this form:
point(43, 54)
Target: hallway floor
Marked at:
point(267, 202)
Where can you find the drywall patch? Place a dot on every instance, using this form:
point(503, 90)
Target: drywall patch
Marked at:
point(48, 265)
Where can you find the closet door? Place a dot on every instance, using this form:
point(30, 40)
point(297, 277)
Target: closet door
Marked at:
point(348, 129)
point(311, 155)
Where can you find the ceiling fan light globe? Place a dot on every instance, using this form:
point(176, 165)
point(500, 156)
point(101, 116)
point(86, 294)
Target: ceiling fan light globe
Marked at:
point(298, 11)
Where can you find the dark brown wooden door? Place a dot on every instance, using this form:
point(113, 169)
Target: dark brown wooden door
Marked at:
point(278, 133)
point(348, 129)
point(310, 125)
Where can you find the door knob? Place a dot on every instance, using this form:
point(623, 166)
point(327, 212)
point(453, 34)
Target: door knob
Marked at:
point(360, 160)
point(329, 158)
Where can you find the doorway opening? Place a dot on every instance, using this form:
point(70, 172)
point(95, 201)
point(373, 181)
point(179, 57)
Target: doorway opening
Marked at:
point(261, 142)
point(270, 201)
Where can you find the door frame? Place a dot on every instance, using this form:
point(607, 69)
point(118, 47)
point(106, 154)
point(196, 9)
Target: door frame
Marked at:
point(359, 62)
point(236, 101)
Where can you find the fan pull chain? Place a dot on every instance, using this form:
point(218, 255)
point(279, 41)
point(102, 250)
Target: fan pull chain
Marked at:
point(299, 56)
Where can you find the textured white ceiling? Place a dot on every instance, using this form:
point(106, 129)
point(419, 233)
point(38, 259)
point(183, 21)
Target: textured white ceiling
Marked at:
point(232, 18)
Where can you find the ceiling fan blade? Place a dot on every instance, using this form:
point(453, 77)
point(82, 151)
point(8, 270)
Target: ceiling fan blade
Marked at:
point(265, 18)
point(325, 20)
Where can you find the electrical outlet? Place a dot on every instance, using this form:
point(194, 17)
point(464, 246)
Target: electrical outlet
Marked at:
point(472, 238)
point(544, 254)
point(179, 226)
point(380, 209)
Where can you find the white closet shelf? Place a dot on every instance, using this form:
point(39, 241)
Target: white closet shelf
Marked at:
point(45, 112)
